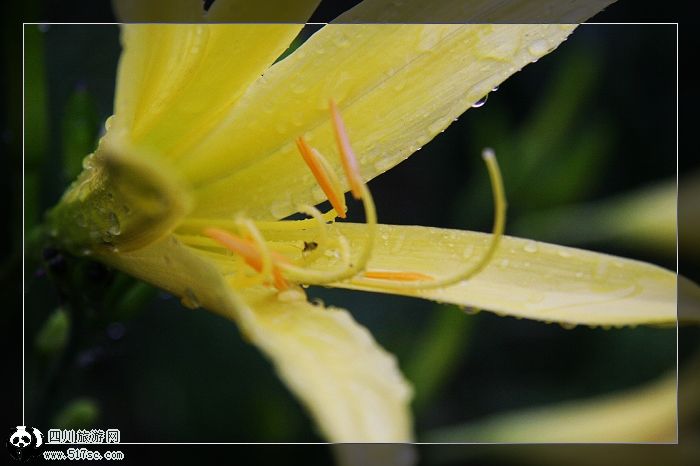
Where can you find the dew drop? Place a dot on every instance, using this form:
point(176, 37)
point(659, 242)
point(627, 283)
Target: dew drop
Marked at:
point(601, 269)
point(291, 295)
point(331, 253)
point(189, 299)
point(494, 89)
point(384, 163)
point(436, 126)
point(398, 242)
point(481, 102)
point(108, 122)
point(115, 227)
point(468, 251)
point(531, 246)
point(567, 325)
point(80, 220)
point(318, 194)
point(88, 163)
point(538, 48)
point(341, 41)
point(279, 209)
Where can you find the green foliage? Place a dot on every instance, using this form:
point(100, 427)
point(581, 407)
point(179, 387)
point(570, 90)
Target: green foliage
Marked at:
point(53, 336)
point(80, 125)
point(78, 414)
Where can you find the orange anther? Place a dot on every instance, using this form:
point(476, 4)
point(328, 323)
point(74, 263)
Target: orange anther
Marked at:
point(396, 276)
point(321, 176)
point(352, 172)
point(249, 252)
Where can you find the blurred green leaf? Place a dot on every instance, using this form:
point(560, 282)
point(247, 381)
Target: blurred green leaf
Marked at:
point(438, 352)
point(132, 300)
point(35, 121)
point(554, 119)
point(644, 219)
point(80, 127)
point(53, 336)
point(78, 414)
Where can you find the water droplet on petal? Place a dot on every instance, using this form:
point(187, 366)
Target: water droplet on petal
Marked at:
point(291, 295)
point(115, 228)
point(280, 209)
point(108, 122)
point(385, 163)
point(331, 253)
point(538, 48)
point(189, 299)
point(480, 102)
point(531, 246)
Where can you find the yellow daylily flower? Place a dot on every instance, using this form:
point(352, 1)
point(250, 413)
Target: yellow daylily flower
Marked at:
point(212, 145)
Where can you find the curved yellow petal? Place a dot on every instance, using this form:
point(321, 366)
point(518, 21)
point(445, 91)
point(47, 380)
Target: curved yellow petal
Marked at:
point(397, 86)
point(176, 82)
point(351, 386)
point(641, 414)
point(525, 278)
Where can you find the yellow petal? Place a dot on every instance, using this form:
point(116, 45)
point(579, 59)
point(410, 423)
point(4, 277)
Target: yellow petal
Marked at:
point(397, 86)
point(525, 278)
point(642, 414)
point(176, 81)
point(352, 387)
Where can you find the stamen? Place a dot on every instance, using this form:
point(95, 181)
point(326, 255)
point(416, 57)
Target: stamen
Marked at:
point(250, 253)
point(500, 205)
point(196, 224)
point(318, 168)
point(319, 277)
point(347, 155)
point(248, 227)
point(396, 276)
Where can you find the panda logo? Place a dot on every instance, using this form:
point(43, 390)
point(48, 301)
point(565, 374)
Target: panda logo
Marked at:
point(23, 444)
